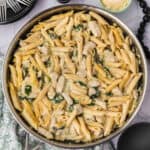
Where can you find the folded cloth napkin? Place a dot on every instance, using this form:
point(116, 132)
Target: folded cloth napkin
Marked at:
point(13, 137)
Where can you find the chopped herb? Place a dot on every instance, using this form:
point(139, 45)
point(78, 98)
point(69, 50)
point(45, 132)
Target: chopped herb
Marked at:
point(93, 96)
point(80, 115)
point(61, 128)
point(78, 27)
point(75, 101)
point(97, 58)
point(53, 35)
point(100, 61)
point(58, 98)
point(82, 84)
point(116, 126)
point(47, 63)
point(91, 104)
point(28, 89)
point(109, 94)
point(108, 73)
point(97, 94)
point(70, 108)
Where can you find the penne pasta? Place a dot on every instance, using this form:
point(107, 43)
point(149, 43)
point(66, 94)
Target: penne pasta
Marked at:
point(124, 80)
point(89, 66)
point(32, 45)
point(98, 18)
point(75, 77)
point(119, 98)
point(108, 125)
point(50, 25)
point(60, 49)
point(61, 16)
point(29, 52)
point(70, 64)
point(18, 69)
point(98, 42)
point(13, 75)
point(84, 129)
point(69, 29)
point(41, 64)
point(28, 114)
point(45, 133)
point(112, 85)
point(125, 109)
point(133, 83)
point(94, 112)
point(46, 36)
point(14, 97)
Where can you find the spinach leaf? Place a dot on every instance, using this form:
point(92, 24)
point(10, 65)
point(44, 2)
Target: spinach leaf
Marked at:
point(92, 103)
point(28, 89)
point(58, 98)
point(47, 63)
point(53, 35)
point(97, 94)
point(81, 83)
point(70, 108)
point(75, 101)
point(108, 73)
point(109, 94)
point(97, 58)
point(78, 27)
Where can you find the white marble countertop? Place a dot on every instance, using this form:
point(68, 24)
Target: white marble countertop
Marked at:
point(131, 17)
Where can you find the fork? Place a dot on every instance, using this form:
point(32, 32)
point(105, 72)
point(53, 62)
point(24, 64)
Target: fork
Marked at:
point(26, 147)
point(26, 2)
point(14, 5)
point(3, 10)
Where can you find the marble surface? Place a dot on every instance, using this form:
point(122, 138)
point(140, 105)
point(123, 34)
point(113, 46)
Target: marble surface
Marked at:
point(131, 17)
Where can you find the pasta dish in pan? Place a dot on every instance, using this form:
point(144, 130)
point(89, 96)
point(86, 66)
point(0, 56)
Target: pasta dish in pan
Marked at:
point(75, 77)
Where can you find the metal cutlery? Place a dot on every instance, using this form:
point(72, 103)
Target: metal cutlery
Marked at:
point(3, 10)
point(14, 5)
point(27, 147)
point(26, 142)
point(26, 2)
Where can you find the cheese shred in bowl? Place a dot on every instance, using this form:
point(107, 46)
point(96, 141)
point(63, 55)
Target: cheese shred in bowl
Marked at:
point(115, 5)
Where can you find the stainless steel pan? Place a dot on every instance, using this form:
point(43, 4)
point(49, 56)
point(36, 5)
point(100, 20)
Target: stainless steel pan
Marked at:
point(44, 15)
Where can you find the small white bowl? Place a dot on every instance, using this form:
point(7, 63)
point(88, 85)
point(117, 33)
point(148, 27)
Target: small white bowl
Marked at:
point(115, 11)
